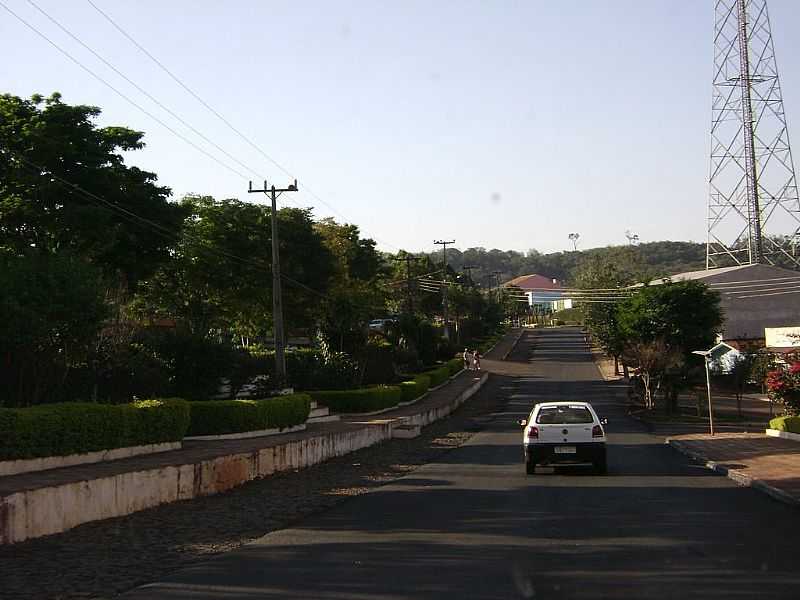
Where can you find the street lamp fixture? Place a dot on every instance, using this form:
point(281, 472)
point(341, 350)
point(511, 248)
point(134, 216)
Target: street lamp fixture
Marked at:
point(706, 354)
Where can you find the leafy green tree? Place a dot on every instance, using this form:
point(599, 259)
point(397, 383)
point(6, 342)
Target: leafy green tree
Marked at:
point(684, 316)
point(357, 292)
point(219, 275)
point(51, 309)
point(46, 143)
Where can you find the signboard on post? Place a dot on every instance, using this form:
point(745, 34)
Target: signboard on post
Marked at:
point(782, 337)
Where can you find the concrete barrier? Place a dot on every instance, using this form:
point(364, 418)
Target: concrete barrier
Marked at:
point(31, 465)
point(53, 509)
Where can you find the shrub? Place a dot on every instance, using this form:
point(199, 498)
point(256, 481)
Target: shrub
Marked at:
point(410, 390)
point(454, 365)
point(76, 428)
point(218, 417)
point(378, 363)
point(360, 400)
point(438, 376)
point(790, 424)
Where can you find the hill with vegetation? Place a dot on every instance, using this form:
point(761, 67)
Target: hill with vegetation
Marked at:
point(653, 259)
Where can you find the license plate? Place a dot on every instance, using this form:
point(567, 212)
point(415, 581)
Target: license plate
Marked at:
point(565, 449)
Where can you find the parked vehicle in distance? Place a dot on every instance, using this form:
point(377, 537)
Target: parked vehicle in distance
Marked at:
point(381, 324)
point(564, 433)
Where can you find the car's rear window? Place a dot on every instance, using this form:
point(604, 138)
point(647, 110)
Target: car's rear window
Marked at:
point(558, 415)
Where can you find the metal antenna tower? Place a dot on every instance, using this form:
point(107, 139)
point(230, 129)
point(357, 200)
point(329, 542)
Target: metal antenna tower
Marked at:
point(753, 206)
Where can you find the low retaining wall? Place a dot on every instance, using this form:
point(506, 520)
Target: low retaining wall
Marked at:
point(783, 434)
point(49, 510)
point(243, 435)
point(31, 465)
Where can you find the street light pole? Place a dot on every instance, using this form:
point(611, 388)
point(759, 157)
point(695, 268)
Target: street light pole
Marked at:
point(706, 354)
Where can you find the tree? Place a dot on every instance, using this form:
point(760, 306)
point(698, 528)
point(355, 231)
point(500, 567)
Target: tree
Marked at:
point(739, 373)
point(120, 219)
point(357, 292)
point(685, 316)
point(654, 359)
point(219, 274)
point(51, 309)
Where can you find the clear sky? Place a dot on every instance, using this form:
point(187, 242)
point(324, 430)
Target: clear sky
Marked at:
point(496, 124)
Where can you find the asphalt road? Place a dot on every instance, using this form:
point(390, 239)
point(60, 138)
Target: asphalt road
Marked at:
point(473, 525)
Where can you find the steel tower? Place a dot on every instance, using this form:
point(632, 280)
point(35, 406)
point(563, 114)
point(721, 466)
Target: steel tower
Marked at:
point(753, 206)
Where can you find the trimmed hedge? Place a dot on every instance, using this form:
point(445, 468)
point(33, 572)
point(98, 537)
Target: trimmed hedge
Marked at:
point(454, 365)
point(79, 427)
point(360, 400)
point(410, 390)
point(219, 417)
point(790, 424)
point(438, 376)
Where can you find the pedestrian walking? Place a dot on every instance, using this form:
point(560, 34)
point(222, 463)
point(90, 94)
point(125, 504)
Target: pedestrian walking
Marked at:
point(466, 359)
point(476, 358)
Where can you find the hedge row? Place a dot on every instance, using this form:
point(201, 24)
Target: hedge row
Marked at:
point(789, 424)
point(218, 417)
point(76, 427)
point(413, 389)
point(361, 400)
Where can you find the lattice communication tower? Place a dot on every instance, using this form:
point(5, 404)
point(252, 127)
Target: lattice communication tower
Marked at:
point(753, 206)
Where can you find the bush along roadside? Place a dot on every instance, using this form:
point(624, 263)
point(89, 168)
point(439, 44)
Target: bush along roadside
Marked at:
point(77, 428)
point(220, 417)
point(361, 400)
point(414, 388)
point(788, 424)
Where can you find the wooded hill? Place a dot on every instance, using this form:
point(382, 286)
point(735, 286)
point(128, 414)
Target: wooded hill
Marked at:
point(653, 259)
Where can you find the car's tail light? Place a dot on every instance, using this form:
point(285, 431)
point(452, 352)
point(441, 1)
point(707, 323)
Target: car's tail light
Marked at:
point(597, 431)
point(533, 432)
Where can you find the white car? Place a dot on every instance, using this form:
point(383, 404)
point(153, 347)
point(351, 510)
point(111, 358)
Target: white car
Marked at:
point(564, 433)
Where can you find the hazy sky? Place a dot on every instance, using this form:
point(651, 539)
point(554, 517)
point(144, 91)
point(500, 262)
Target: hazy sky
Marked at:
point(497, 124)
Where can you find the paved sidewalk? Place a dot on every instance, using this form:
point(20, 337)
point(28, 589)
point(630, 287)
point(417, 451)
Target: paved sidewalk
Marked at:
point(771, 465)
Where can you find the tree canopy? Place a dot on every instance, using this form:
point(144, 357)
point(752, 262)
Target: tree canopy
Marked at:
point(117, 217)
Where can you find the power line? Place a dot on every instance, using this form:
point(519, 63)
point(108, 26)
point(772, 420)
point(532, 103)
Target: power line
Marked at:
point(119, 93)
point(143, 91)
point(216, 113)
point(166, 232)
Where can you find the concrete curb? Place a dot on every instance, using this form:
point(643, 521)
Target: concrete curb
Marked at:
point(736, 475)
point(34, 465)
point(514, 345)
point(244, 435)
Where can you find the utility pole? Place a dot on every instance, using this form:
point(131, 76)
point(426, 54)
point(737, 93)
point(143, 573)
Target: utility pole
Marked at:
point(277, 305)
point(468, 269)
point(497, 283)
point(408, 259)
point(444, 245)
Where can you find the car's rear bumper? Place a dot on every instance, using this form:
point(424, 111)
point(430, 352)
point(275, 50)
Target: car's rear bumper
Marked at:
point(586, 452)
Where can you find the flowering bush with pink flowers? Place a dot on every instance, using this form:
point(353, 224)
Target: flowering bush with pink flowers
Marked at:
point(784, 386)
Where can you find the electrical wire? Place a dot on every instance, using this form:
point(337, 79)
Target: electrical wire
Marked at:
point(143, 91)
point(166, 232)
point(121, 94)
point(225, 121)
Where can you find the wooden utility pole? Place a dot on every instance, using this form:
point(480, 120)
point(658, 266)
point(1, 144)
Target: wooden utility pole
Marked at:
point(444, 246)
point(277, 304)
point(468, 269)
point(408, 259)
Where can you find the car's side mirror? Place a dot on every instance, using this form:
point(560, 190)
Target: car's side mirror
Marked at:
point(604, 421)
point(522, 422)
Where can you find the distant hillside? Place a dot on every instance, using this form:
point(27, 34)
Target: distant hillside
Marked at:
point(659, 258)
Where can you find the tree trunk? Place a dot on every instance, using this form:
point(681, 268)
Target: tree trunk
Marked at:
point(625, 373)
point(616, 365)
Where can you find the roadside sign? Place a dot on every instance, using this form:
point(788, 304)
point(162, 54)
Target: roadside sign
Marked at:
point(782, 337)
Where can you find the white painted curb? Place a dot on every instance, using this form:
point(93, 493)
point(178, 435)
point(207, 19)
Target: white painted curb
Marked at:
point(783, 434)
point(31, 465)
point(243, 435)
